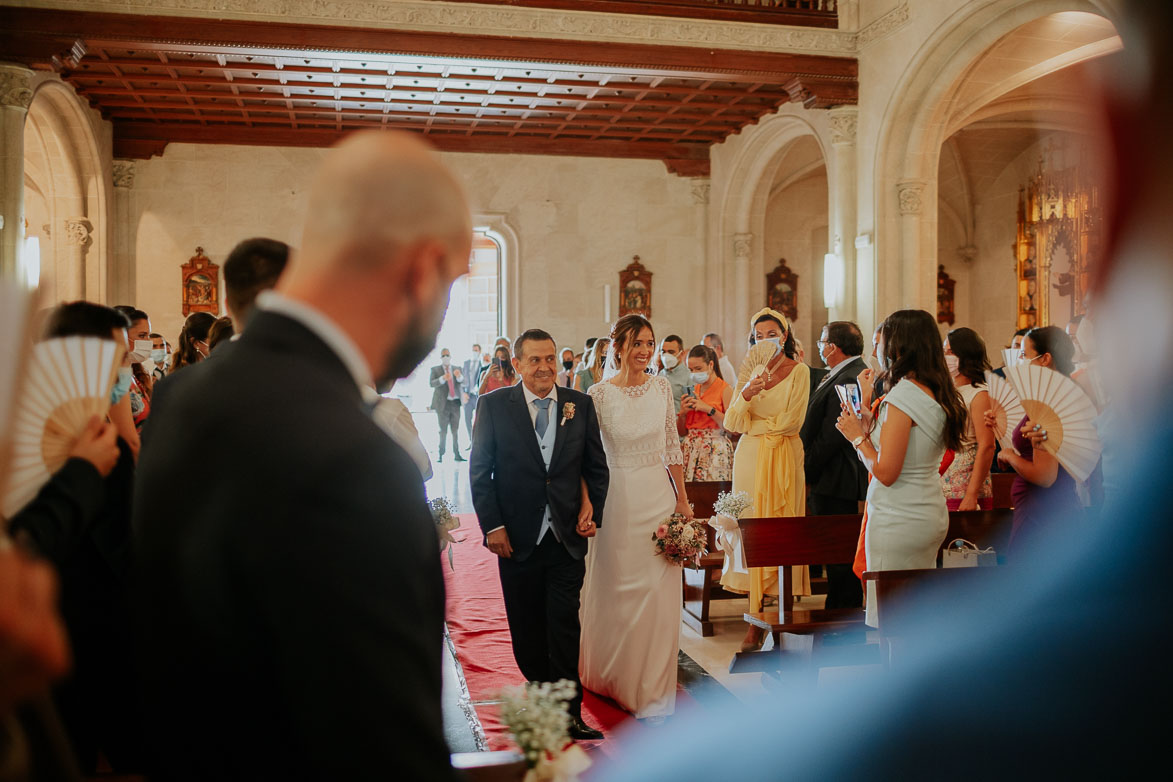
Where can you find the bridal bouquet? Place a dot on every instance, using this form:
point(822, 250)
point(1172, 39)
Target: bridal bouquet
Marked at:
point(536, 714)
point(679, 540)
point(444, 516)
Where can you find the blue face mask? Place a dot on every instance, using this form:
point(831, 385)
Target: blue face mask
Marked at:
point(158, 355)
point(698, 378)
point(121, 385)
point(776, 340)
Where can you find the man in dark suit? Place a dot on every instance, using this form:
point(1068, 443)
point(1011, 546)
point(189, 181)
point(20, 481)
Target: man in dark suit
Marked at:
point(470, 387)
point(837, 479)
point(534, 446)
point(445, 381)
point(289, 592)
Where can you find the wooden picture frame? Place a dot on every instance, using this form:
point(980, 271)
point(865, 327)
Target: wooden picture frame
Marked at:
point(635, 290)
point(200, 285)
point(782, 290)
point(945, 297)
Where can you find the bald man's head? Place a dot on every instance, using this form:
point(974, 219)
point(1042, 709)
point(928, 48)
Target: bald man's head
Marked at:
point(375, 194)
point(387, 231)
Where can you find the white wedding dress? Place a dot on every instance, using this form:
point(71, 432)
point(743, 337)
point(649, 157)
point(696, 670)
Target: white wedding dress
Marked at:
point(631, 597)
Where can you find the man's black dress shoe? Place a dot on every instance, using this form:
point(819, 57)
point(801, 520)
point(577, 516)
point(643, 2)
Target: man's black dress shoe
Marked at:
point(580, 731)
point(460, 458)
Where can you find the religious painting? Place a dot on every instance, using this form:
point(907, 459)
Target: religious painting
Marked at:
point(782, 290)
point(635, 290)
point(945, 286)
point(201, 284)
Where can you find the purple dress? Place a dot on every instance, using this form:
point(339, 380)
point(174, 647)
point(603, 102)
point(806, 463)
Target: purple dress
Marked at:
point(1038, 509)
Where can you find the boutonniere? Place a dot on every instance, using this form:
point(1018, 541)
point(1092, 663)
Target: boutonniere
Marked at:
point(567, 413)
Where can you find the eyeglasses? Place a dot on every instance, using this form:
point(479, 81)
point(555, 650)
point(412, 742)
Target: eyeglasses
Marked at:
point(820, 344)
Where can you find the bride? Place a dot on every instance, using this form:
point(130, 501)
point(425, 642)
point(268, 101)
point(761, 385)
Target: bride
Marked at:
point(631, 597)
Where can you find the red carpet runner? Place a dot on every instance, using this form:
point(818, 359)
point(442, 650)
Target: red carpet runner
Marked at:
point(480, 633)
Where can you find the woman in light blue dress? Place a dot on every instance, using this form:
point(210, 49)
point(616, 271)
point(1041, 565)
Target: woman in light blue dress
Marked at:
point(921, 415)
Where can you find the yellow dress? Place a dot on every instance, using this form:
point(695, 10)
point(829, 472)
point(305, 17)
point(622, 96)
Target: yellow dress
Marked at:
point(768, 465)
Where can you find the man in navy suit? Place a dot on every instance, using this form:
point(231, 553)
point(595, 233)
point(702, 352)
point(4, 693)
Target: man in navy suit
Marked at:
point(535, 446)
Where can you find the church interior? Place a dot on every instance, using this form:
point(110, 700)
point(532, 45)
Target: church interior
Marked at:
point(834, 160)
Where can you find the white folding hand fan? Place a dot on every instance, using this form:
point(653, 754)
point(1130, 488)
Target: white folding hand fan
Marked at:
point(1007, 409)
point(1011, 356)
point(759, 355)
point(68, 381)
point(1058, 405)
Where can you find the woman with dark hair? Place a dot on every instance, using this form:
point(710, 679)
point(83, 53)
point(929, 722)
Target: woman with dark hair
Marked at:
point(500, 373)
point(966, 481)
point(921, 415)
point(1042, 491)
point(708, 454)
point(222, 330)
point(631, 597)
point(193, 341)
point(768, 410)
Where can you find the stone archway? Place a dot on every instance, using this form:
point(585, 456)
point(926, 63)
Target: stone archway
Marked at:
point(64, 164)
point(916, 125)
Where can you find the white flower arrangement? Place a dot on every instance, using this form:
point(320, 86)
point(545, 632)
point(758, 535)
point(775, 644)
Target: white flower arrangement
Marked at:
point(537, 715)
point(732, 504)
point(444, 516)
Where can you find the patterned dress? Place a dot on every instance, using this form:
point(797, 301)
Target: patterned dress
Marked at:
point(708, 454)
point(955, 480)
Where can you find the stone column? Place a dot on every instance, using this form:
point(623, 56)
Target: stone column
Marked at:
point(710, 268)
point(742, 245)
point(16, 94)
point(844, 120)
point(911, 197)
point(123, 282)
point(77, 243)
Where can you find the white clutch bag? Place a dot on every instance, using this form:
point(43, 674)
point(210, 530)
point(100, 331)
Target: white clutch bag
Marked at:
point(962, 553)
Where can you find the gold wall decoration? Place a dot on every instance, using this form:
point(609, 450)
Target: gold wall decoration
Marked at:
point(1060, 229)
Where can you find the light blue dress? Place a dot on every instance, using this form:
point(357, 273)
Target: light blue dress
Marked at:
point(907, 521)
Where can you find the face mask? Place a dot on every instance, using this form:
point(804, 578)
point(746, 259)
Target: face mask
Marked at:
point(668, 360)
point(141, 350)
point(121, 385)
point(954, 363)
point(776, 340)
point(445, 360)
point(698, 378)
point(158, 355)
point(567, 365)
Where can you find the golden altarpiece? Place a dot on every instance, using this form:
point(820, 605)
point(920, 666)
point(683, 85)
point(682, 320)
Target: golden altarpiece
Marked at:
point(1060, 231)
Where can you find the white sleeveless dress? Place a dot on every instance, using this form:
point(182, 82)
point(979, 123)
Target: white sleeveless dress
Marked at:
point(630, 597)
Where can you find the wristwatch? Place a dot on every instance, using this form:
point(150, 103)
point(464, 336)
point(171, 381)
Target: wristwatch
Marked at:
point(711, 411)
point(857, 442)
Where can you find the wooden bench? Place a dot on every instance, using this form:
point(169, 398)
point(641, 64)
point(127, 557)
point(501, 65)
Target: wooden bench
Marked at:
point(702, 582)
point(799, 633)
point(1002, 483)
point(983, 528)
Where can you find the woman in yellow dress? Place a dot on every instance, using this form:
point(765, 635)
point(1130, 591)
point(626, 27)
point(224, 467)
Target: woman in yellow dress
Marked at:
point(768, 410)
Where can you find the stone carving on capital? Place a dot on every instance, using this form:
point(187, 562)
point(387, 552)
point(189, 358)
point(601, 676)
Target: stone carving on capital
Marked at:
point(504, 20)
point(741, 246)
point(16, 86)
point(77, 231)
point(911, 197)
point(700, 190)
point(124, 173)
point(843, 126)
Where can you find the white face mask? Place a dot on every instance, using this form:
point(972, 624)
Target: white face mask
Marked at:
point(668, 360)
point(954, 364)
point(698, 378)
point(445, 360)
point(776, 340)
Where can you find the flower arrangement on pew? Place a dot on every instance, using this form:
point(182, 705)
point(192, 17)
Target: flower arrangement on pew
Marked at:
point(444, 516)
point(729, 507)
point(679, 540)
point(537, 716)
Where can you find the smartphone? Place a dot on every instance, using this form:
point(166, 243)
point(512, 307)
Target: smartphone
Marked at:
point(689, 391)
point(856, 400)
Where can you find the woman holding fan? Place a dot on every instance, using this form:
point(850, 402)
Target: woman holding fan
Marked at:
point(922, 414)
point(1043, 490)
point(966, 481)
point(768, 410)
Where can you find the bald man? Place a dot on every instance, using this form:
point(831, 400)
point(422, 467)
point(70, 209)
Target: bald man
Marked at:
point(290, 594)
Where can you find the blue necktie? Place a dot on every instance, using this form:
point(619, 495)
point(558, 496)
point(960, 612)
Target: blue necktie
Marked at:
point(543, 419)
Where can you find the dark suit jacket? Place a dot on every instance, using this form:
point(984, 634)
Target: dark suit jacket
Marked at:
point(832, 468)
point(817, 375)
point(290, 596)
point(440, 386)
point(510, 484)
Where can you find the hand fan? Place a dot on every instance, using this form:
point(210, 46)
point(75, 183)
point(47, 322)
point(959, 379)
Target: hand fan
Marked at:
point(68, 381)
point(1011, 357)
point(759, 355)
point(1007, 409)
point(1056, 403)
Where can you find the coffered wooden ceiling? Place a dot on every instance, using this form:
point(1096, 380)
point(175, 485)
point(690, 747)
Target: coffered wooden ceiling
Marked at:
point(164, 79)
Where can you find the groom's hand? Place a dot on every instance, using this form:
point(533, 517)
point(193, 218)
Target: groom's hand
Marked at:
point(498, 543)
point(586, 525)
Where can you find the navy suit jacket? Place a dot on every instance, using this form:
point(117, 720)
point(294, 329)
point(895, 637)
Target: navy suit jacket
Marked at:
point(832, 468)
point(510, 484)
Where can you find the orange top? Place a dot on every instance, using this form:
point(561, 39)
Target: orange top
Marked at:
point(715, 396)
